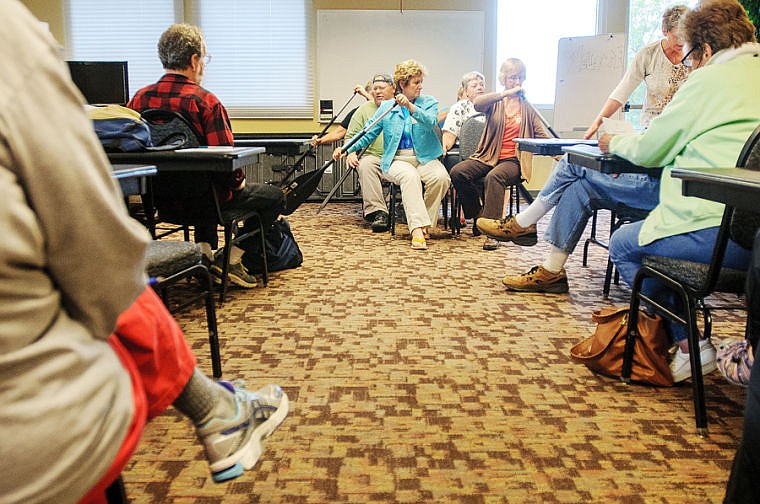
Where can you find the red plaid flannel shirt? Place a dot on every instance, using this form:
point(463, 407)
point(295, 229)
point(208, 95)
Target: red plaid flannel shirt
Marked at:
point(203, 109)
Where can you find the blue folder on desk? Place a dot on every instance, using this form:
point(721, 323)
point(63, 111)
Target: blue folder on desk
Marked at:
point(550, 146)
point(591, 150)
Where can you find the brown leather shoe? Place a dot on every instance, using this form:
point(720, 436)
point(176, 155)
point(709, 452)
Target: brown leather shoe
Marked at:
point(508, 230)
point(538, 279)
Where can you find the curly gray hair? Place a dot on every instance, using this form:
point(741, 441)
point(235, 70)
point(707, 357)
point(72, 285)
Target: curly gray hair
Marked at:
point(672, 16)
point(178, 44)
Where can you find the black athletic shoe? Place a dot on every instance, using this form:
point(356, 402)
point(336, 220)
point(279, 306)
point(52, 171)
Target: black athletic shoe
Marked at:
point(370, 217)
point(381, 222)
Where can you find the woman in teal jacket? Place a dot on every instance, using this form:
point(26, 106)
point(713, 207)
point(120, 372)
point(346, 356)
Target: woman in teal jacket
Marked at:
point(705, 125)
point(411, 148)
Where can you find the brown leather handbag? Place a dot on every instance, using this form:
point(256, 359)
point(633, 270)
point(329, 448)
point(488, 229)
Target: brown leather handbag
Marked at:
point(603, 351)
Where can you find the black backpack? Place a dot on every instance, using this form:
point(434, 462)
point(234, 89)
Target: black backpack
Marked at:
point(170, 128)
point(282, 250)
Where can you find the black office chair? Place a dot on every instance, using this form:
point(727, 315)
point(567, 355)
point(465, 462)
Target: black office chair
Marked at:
point(692, 282)
point(190, 198)
point(621, 215)
point(469, 138)
point(450, 159)
point(166, 263)
point(167, 128)
point(445, 201)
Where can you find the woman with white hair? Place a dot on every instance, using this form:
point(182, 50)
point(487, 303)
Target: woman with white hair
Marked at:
point(473, 85)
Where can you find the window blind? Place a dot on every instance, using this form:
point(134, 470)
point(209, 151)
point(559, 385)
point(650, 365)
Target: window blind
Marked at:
point(113, 30)
point(261, 50)
point(261, 55)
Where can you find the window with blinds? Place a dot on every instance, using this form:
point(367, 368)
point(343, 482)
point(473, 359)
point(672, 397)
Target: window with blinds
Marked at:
point(261, 64)
point(262, 55)
point(113, 30)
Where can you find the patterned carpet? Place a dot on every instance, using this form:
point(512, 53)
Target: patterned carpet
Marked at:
point(415, 377)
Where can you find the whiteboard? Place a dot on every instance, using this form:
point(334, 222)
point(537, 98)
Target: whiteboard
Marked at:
point(588, 69)
point(352, 45)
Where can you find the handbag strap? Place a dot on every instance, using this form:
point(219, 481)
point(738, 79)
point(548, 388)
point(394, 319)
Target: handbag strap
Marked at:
point(607, 314)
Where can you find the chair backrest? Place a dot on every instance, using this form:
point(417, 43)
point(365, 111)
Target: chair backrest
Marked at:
point(745, 223)
point(749, 157)
point(439, 134)
point(469, 135)
point(168, 127)
point(179, 197)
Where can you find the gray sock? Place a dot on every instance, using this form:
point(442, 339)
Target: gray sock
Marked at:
point(203, 398)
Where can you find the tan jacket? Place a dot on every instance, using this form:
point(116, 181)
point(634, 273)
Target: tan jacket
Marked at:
point(71, 260)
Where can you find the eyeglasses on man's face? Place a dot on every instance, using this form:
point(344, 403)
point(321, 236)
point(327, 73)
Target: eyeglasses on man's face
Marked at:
point(206, 59)
point(686, 61)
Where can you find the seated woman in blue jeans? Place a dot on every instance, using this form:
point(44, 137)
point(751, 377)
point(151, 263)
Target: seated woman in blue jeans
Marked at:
point(575, 192)
point(703, 126)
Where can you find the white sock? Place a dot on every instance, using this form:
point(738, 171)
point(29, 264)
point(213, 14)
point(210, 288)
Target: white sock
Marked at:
point(530, 215)
point(556, 259)
point(236, 254)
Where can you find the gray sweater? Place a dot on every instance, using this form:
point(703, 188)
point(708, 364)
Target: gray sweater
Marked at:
point(71, 260)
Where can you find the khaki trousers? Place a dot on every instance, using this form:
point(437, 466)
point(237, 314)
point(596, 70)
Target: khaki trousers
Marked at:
point(406, 172)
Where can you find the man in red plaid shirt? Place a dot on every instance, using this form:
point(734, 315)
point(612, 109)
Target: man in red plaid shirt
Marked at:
point(182, 52)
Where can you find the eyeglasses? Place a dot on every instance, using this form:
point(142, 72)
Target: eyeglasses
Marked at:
point(686, 61)
point(206, 59)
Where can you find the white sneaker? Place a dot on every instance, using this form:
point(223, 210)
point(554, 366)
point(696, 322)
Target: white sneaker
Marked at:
point(680, 366)
point(236, 444)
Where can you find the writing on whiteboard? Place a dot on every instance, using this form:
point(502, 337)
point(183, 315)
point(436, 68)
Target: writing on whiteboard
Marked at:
point(584, 58)
point(588, 69)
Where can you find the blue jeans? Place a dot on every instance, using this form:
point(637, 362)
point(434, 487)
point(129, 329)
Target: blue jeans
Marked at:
point(697, 246)
point(577, 191)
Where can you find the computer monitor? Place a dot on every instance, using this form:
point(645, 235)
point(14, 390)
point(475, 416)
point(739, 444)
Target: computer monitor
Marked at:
point(101, 82)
